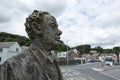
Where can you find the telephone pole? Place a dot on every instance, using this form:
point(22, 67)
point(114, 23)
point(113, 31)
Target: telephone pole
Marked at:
point(67, 54)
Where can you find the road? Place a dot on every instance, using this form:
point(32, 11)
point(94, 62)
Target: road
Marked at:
point(95, 75)
point(84, 72)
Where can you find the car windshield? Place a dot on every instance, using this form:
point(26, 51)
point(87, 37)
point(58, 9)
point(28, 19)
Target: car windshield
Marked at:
point(108, 59)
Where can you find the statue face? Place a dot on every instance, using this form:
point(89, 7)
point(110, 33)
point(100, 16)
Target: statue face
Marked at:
point(51, 33)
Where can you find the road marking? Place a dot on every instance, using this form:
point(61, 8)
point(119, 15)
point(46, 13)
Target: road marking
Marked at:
point(70, 74)
point(91, 78)
point(97, 69)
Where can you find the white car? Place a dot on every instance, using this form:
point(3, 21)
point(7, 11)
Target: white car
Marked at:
point(109, 63)
point(109, 60)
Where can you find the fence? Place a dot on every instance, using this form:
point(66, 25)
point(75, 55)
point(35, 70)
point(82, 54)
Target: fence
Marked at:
point(70, 62)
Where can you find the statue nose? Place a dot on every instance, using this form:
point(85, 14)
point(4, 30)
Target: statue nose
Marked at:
point(59, 32)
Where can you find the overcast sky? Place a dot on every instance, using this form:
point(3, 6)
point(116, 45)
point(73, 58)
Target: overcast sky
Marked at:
point(94, 22)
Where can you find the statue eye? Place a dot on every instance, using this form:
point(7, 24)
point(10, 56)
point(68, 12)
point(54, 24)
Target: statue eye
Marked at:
point(52, 26)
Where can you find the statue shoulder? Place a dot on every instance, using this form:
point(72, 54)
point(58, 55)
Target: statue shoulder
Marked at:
point(16, 66)
point(17, 60)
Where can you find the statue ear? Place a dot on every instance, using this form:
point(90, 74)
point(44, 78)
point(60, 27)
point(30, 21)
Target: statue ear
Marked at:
point(36, 28)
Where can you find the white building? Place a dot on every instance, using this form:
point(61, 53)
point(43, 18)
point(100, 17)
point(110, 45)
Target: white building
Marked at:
point(62, 55)
point(8, 50)
point(71, 54)
point(93, 51)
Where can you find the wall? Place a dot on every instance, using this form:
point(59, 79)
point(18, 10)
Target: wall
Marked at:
point(12, 50)
point(3, 55)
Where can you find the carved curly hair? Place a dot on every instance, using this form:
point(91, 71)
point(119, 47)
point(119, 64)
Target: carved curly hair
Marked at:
point(35, 17)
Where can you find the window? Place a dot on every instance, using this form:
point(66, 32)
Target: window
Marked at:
point(59, 54)
point(1, 50)
point(17, 49)
point(64, 55)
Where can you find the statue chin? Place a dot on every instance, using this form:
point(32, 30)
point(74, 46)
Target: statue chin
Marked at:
point(58, 42)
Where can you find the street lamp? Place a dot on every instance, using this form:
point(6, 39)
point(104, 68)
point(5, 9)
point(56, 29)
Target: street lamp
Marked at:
point(67, 54)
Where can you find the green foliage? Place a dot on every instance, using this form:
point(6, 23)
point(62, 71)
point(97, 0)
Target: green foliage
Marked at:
point(116, 49)
point(61, 47)
point(108, 51)
point(99, 49)
point(83, 48)
point(7, 37)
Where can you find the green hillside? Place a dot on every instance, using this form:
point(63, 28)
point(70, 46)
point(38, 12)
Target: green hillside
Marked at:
point(7, 37)
point(24, 41)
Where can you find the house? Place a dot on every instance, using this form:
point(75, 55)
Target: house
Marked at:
point(8, 50)
point(68, 54)
point(72, 54)
point(62, 55)
point(86, 56)
point(69, 57)
point(93, 51)
point(95, 56)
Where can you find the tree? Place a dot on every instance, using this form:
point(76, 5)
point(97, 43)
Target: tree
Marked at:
point(99, 49)
point(87, 48)
point(83, 48)
point(61, 47)
point(107, 50)
point(7, 37)
point(116, 49)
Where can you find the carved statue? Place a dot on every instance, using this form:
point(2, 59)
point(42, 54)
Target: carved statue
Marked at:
point(36, 63)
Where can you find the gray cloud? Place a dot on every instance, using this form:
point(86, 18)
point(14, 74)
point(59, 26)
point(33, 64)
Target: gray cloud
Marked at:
point(4, 18)
point(14, 12)
point(95, 22)
point(14, 8)
point(54, 7)
point(111, 39)
point(10, 10)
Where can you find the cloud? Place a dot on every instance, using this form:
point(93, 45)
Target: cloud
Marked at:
point(4, 19)
point(91, 22)
point(14, 12)
point(95, 22)
point(53, 6)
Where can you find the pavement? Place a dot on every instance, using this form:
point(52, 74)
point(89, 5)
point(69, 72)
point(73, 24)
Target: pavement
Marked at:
point(112, 71)
point(106, 68)
point(72, 74)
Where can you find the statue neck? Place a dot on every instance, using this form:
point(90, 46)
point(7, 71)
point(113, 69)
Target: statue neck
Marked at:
point(42, 46)
point(38, 50)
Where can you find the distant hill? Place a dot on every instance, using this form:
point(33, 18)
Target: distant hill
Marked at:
point(7, 37)
point(24, 41)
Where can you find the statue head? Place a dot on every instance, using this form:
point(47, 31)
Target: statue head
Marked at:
point(43, 27)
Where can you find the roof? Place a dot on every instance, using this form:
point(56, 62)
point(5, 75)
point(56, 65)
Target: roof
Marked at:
point(96, 54)
point(6, 44)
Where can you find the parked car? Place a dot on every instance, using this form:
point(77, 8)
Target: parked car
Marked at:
point(92, 61)
point(109, 60)
point(116, 63)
